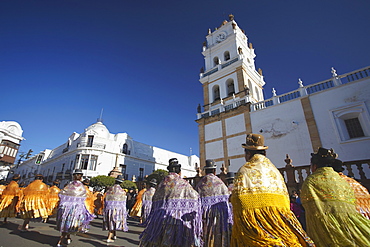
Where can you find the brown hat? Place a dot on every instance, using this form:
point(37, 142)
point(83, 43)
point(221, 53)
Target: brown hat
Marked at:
point(255, 142)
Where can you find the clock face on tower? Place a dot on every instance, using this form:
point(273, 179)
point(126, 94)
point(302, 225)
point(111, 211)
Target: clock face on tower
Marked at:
point(220, 37)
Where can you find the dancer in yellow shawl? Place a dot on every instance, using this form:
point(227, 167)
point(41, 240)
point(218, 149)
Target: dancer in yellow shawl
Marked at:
point(136, 209)
point(53, 198)
point(260, 201)
point(34, 201)
point(90, 197)
point(329, 202)
point(10, 199)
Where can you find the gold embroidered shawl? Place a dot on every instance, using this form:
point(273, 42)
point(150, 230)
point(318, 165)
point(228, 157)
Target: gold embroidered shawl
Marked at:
point(262, 215)
point(331, 216)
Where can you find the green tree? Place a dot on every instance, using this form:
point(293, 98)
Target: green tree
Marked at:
point(101, 182)
point(157, 174)
point(127, 184)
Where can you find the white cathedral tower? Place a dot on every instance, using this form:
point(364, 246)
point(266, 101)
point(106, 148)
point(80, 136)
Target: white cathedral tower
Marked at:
point(332, 113)
point(230, 70)
point(230, 80)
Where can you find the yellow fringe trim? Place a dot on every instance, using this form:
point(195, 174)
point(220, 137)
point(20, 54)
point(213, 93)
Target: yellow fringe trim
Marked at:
point(261, 220)
point(260, 200)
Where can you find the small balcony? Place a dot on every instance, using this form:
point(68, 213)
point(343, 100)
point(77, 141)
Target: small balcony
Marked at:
point(94, 145)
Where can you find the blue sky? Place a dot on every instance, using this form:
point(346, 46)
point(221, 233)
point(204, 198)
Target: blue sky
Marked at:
point(61, 62)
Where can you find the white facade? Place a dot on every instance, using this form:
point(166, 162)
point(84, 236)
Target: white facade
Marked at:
point(97, 152)
point(296, 123)
point(10, 138)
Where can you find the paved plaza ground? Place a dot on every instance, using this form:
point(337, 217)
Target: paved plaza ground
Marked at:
point(45, 234)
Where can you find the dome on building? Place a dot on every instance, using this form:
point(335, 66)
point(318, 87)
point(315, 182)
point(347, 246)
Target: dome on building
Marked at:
point(97, 129)
point(12, 128)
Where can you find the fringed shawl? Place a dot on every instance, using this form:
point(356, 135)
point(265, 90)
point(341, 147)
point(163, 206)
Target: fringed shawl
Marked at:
point(331, 216)
point(115, 212)
point(262, 215)
point(147, 203)
point(73, 215)
point(361, 194)
point(90, 198)
point(216, 211)
point(136, 209)
point(53, 199)
point(175, 219)
point(10, 200)
point(34, 202)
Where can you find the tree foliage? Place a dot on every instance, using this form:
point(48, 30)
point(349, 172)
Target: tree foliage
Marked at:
point(157, 174)
point(102, 181)
point(127, 184)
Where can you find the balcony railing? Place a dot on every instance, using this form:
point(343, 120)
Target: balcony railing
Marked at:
point(313, 88)
point(94, 145)
point(294, 176)
point(300, 92)
point(220, 66)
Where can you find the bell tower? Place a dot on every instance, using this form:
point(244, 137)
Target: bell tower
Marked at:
point(230, 83)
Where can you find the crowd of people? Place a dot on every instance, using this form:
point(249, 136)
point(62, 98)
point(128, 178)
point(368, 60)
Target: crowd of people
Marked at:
point(253, 208)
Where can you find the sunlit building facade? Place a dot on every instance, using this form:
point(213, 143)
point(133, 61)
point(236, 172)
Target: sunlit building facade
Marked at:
point(10, 138)
point(97, 152)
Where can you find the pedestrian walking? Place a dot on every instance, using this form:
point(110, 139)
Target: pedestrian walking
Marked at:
point(261, 208)
point(53, 198)
point(147, 200)
point(10, 199)
point(137, 208)
point(115, 212)
point(72, 215)
point(329, 202)
point(175, 219)
point(216, 211)
point(34, 202)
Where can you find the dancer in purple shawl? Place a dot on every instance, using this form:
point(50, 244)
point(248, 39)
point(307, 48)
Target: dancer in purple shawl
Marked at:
point(216, 209)
point(147, 200)
point(115, 213)
point(175, 219)
point(72, 215)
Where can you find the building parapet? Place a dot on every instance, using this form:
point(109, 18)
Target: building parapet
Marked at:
point(313, 88)
point(300, 92)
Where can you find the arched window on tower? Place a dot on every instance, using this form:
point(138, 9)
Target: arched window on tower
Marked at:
point(230, 87)
point(250, 88)
point(226, 55)
point(125, 149)
point(216, 93)
point(216, 61)
point(257, 93)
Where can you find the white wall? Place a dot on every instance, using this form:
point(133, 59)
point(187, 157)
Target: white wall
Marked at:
point(213, 131)
point(286, 132)
point(235, 125)
point(344, 95)
point(214, 150)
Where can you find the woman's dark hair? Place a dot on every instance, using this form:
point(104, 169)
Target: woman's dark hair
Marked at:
point(337, 165)
point(253, 152)
point(176, 169)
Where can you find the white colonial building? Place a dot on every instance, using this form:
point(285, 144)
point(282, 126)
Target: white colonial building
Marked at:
point(332, 113)
point(10, 138)
point(97, 152)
